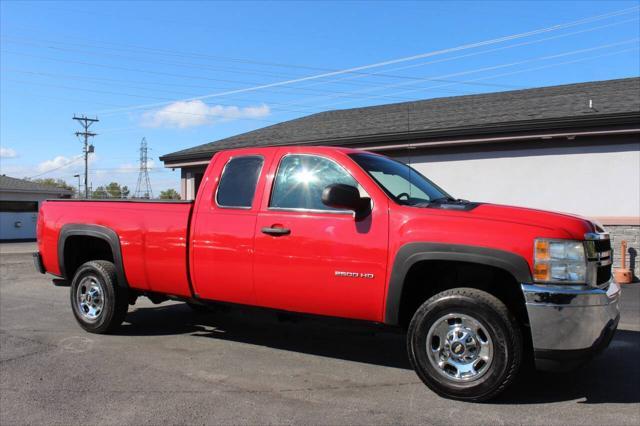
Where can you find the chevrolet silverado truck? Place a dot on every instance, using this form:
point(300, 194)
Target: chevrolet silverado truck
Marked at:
point(479, 288)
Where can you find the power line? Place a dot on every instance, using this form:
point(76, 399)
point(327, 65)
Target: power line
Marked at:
point(197, 66)
point(471, 80)
point(467, 72)
point(227, 97)
point(582, 21)
point(272, 105)
point(298, 89)
point(541, 58)
point(526, 43)
point(483, 69)
point(294, 89)
point(509, 73)
point(57, 98)
point(58, 86)
point(360, 92)
point(167, 52)
point(350, 77)
point(381, 73)
point(347, 94)
point(439, 78)
point(604, 55)
point(399, 60)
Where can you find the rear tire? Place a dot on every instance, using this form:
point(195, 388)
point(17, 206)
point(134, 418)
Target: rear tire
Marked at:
point(464, 344)
point(97, 301)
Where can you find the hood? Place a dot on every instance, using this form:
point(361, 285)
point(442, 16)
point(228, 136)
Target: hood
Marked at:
point(574, 226)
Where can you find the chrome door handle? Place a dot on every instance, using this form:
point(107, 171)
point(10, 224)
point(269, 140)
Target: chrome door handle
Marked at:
point(276, 232)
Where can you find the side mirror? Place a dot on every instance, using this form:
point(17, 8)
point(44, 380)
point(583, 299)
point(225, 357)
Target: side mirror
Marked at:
point(342, 196)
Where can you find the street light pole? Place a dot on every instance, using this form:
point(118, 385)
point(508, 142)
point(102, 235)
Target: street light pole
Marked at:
point(78, 176)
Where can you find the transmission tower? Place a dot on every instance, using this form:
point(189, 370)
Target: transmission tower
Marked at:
point(143, 187)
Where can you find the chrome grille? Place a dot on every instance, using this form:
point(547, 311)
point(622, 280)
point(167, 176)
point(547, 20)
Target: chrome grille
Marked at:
point(599, 258)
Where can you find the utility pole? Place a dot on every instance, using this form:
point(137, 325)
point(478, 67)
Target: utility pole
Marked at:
point(143, 187)
point(86, 123)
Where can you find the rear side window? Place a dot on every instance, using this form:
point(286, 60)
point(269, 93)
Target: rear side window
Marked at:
point(238, 182)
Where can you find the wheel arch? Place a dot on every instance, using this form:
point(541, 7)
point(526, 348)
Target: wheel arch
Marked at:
point(103, 244)
point(413, 254)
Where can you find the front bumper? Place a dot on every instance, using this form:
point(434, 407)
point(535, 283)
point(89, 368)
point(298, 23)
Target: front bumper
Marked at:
point(569, 324)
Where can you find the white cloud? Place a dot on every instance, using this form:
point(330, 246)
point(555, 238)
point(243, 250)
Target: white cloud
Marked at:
point(57, 163)
point(8, 153)
point(63, 166)
point(185, 114)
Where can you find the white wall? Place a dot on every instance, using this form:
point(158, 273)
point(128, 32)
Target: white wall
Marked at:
point(593, 181)
point(188, 184)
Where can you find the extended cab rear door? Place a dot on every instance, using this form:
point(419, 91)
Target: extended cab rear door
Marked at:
point(224, 224)
point(312, 258)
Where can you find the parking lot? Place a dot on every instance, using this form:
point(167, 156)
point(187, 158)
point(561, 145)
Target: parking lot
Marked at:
point(169, 365)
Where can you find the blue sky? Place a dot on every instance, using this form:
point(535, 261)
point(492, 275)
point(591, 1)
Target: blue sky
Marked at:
point(138, 66)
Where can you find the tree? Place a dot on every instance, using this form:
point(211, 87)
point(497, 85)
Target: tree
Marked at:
point(58, 183)
point(116, 191)
point(169, 194)
point(112, 190)
point(100, 193)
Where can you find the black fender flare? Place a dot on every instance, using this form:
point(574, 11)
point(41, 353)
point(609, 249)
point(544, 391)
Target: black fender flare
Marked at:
point(411, 253)
point(96, 231)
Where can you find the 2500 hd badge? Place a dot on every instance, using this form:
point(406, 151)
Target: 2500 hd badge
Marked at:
point(355, 275)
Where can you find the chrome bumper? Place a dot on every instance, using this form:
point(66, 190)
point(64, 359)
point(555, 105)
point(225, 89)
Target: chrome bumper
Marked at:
point(570, 322)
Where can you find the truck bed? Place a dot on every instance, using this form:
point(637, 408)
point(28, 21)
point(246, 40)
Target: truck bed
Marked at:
point(153, 238)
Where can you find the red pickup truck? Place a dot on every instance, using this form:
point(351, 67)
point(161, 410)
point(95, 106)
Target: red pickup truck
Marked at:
point(480, 288)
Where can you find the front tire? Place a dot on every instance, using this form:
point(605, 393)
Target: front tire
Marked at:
point(464, 344)
point(98, 302)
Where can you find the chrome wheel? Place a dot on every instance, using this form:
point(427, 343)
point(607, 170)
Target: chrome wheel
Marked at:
point(90, 298)
point(459, 347)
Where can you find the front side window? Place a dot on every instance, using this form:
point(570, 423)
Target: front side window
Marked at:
point(301, 180)
point(238, 182)
point(402, 183)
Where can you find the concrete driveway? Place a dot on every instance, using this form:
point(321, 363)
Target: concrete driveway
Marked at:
point(169, 365)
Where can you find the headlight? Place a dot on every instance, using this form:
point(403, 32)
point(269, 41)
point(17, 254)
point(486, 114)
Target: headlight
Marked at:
point(559, 261)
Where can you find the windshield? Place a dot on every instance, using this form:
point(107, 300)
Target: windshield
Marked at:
point(402, 183)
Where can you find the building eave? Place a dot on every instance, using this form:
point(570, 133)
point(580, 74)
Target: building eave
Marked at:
point(529, 129)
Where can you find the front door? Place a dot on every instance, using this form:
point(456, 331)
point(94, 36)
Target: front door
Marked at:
point(313, 258)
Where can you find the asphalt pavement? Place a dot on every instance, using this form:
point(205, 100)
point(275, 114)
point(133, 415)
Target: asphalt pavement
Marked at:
point(169, 365)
